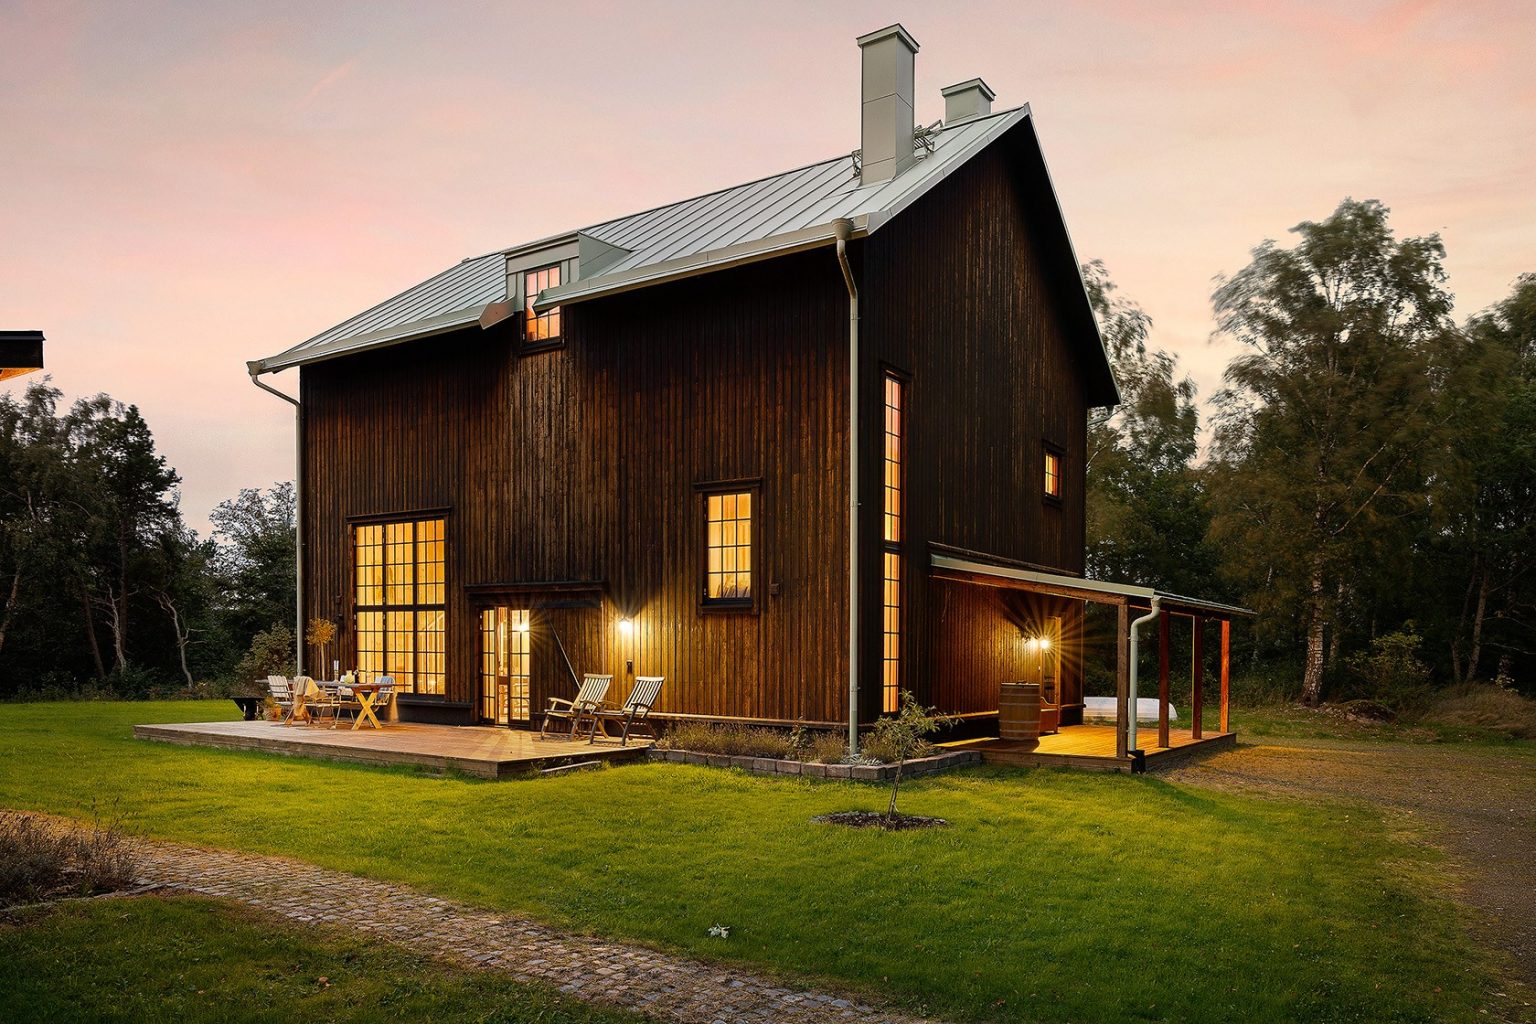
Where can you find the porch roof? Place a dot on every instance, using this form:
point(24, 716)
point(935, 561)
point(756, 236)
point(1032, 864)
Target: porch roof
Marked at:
point(952, 562)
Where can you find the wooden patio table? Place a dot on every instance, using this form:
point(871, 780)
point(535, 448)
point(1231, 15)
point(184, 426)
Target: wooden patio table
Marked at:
point(366, 694)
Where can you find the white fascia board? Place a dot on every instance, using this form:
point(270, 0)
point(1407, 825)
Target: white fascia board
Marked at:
point(384, 338)
point(695, 264)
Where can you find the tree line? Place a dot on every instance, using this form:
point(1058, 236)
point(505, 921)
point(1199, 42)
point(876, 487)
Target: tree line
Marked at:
point(1369, 485)
point(105, 588)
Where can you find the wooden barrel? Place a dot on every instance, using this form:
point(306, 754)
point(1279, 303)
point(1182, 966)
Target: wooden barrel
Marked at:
point(1018, 712)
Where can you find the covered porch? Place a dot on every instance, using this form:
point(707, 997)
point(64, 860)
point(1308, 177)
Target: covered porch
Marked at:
point(1166, 721)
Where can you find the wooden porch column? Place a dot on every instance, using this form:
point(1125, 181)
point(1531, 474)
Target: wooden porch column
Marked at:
point(1226, 664)
point(1197, 697)
point(1122, 677)
point(1163, 622)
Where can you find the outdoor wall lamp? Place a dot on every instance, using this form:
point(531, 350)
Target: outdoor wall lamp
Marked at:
point(626, 625)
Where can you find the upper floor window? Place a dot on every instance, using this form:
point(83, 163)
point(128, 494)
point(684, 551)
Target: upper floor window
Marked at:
point(728, 561)
point(538, 326)
point(893, 458)
point(1052, 473)
point(400, 603)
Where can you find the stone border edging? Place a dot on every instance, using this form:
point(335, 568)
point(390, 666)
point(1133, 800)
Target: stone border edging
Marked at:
point(856, 772)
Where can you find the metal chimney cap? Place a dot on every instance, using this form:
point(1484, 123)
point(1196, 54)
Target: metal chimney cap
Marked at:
point(886, 33)
point(966, 86)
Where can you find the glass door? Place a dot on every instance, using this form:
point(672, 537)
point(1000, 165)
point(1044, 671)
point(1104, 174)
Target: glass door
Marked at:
point(504, 665)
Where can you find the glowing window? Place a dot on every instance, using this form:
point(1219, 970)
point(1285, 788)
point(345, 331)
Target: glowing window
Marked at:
point(401, 622)
point(1052, 474)
point(893, 459)
point(728, 548)
point(543, 326)
point(890, 652)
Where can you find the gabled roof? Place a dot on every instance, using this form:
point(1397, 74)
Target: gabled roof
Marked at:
point(758, 220)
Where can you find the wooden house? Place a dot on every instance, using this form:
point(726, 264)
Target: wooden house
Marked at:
point(797, 445)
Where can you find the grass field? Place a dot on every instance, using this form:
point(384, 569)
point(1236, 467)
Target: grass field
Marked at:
point(1054, 896)
point(192, 960)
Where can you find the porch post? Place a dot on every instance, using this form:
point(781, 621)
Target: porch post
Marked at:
point(1226, 664)
point(1197, 697)
point(1162, 679)
point(1122, 677)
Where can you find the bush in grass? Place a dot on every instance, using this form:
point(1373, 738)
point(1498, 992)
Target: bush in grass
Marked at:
point(39, 862)
point(824, 748)
point(736, 740)
point(271, 654)
point(1392, 672)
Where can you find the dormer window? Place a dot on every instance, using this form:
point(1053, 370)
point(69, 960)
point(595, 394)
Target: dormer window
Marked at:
point(540, 328)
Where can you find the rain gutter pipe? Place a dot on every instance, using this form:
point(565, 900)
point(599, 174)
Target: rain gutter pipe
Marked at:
point(842, 228)
point(1130, 728)
point(298, 514)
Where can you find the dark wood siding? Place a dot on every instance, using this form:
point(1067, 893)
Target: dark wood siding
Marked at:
point(961, 295)
point(582, 464)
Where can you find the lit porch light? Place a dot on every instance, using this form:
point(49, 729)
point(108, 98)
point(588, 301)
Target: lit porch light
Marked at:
point(626, 625)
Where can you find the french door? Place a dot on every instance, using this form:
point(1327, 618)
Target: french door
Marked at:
point(504, 665)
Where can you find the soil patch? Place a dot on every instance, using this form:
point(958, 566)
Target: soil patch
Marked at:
point(874, 819)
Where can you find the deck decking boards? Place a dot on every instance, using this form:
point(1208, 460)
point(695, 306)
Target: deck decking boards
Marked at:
point(1093, 747)
point(483, 751)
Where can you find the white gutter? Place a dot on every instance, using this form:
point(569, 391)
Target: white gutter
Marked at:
point(842, 229)
point(298, 512)
point(1130, 728)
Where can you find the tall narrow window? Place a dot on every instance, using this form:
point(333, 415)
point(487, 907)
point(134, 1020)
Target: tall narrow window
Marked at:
point(1052, 473)
point(545, 326)
point(894, 460)
point(400, 603)
point(728, 549)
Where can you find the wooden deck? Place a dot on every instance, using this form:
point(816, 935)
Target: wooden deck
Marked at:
point(475, 750)
point(1093, 747)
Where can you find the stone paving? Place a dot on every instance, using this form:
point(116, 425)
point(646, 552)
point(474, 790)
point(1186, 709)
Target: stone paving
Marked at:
point(660, 985)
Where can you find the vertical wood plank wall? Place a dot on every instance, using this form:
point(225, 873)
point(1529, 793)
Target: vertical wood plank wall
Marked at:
point(960, 297)
point(581, 464)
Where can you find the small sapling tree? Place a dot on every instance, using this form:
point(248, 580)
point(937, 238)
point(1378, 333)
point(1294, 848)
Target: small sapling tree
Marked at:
point(905, 735)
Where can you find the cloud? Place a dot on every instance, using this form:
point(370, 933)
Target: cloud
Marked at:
point(335, 75)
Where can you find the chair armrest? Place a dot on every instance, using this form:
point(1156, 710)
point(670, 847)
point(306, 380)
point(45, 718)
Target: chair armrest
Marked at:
point(554, 701)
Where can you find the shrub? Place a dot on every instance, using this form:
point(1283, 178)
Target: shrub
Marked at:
point(1392, 672)
point(737, 740)
point(882, 747)
point(39, 862)
point(270, 654)
point(1481, 706)
point(824, 748)
point(903, 735)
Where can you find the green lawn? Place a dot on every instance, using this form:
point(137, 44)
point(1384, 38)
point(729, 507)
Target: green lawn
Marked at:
point(1054, 896)
point(190, 959)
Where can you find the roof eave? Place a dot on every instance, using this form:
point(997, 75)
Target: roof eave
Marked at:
point(397, 335)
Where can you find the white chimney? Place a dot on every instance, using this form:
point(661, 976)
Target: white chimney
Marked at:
point(885, 118)
point(967, 100)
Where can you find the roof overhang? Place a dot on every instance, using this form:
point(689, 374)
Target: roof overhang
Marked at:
point(21, 352)
point(396, 335)
point(1001, 572)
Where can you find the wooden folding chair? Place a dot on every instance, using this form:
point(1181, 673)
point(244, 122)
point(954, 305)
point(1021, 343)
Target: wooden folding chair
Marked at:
point(634, 713)
point(589, 697)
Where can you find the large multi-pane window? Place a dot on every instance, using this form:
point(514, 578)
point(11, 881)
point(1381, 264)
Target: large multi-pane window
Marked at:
point(400, 597)
point(894, 459)
point(728, 548)
point(538, 326)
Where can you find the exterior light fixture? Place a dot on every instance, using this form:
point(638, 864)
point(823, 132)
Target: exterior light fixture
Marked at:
point(626, 625)
point(1045, 643)
point(522, 626)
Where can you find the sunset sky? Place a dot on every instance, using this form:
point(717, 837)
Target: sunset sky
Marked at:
point(185, 186)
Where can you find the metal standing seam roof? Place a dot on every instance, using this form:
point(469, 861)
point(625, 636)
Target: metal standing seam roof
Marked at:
point(1082, 586)
point(756, 220)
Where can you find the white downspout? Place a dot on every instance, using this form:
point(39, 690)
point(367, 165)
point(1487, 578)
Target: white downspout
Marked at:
point(1130, 728)
point(843, 229)
point(298, 513)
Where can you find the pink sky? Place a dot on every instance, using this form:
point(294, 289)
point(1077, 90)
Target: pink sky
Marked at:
point(185, 186)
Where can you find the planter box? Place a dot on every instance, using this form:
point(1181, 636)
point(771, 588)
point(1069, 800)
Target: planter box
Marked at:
point(856, 772)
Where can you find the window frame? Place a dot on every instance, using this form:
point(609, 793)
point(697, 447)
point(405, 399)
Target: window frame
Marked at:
point(751, 605)
point(1048, 451)
point(553, 341)
point(385, 610)
point(894, 550)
